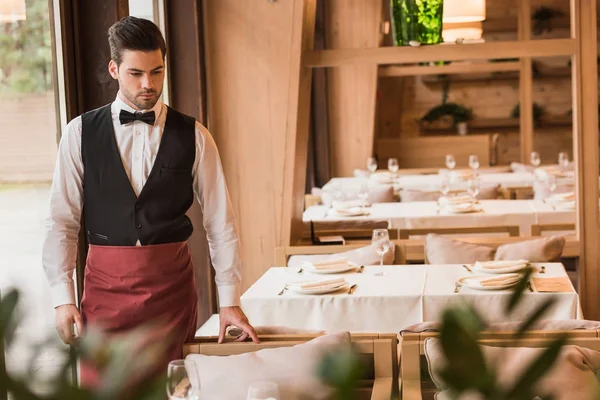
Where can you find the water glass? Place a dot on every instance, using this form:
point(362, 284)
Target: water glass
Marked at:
point(473, 188)
point(563, 160)
point(182, 380)
point(534, 159)
point(393, 165)
point(381, 240)
point(450, 161)
point(363, 194)
point(474, 162)
point(263, 391)
point(372, 164)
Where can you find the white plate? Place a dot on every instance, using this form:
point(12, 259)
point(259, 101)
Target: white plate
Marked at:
point(348, 267)
point(515, 268)
point(330, 289)
point(473, 284)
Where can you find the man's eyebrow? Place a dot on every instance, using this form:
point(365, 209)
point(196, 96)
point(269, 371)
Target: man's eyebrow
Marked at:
point(140, 70)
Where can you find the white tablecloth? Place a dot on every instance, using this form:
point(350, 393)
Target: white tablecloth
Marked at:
point(387, 303)
point(439, 294)
point(425, 214)
point(378, 304)
point(434, 182)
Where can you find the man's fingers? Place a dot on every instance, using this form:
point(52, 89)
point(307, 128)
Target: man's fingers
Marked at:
point(222, 328)
point(249, 330)
point(79, 324)
point(242, 337)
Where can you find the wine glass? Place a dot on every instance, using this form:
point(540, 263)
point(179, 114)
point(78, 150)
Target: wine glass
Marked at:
point(182, 380)
point(473, 188)
point(534, 159)
point(450, 161)
point(363, 194)
point(563, 160)
point(381, 240)
point(551, 183)
point(263, 391)
point(393, 166)
point(372, 164)
point(474, 162)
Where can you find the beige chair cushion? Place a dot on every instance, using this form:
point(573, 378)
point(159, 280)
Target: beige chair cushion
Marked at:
point(409, 195)
point(571, 377)
point(442, 250)
point(292, 368)
point(361, 256)
point(537, 250)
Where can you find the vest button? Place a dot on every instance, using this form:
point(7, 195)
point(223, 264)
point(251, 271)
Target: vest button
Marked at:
point(137, 206)
point(139, 226)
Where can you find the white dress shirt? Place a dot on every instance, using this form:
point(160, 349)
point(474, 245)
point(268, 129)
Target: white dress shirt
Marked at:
point(138, 144)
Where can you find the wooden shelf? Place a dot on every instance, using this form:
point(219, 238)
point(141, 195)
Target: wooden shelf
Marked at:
point(451, 69)
point(446, 52)
point(540, 72)
point(495, 124)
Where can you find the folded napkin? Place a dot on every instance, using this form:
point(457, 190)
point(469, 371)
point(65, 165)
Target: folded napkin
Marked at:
point(499, 264)
point(321, 284)
point(334, 263)
point(461, 207)
point(500, 280)
point(456, 199)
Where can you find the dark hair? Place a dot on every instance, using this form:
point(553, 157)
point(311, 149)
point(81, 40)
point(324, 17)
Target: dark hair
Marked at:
point(131, 33)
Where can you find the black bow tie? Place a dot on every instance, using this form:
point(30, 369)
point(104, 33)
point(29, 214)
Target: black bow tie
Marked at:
point(126, 117)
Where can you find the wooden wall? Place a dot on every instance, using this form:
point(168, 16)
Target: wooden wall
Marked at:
point(250, 56)
point(352, 89)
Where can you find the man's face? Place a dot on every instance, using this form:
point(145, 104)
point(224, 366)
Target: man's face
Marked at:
point(141, 76)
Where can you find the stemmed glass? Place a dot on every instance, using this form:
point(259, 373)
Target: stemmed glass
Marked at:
point(393, 166)
point(263, 391)
point(381, 240)
point(552, 185)
point(372, 164)
point(182, 380)
point(450, 161)
point(534, 159)
point(363, 194)
point(474, 163)
point(563, 160)
point(473, 188)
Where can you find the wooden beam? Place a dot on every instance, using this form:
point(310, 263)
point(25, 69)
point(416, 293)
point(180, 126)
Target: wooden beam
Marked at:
point(585, 146)
point(465, 68)
point(525, 85)
point(446, 52)
point(298, 117)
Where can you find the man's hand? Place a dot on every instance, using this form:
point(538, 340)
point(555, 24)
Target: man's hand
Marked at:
point(66, 316)
point(235, 316)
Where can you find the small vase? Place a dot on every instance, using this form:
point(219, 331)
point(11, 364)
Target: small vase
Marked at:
point(417, 21)
point(462, 128)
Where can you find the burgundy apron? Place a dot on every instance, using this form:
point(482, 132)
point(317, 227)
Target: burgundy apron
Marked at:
point(126, 287)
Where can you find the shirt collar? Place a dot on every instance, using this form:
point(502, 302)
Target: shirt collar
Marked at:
point(119, 105)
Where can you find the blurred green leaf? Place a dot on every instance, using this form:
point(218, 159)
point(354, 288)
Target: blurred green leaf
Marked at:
point(8, 324)
point(518, 291)
point(535, 316)
point(342, 369)
point(523, 387)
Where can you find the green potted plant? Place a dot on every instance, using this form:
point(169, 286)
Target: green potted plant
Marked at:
point(457, 113)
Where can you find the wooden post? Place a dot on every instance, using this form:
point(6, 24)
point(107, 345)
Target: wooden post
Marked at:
point(525, 85)
point(585, 150)
point(297, 130)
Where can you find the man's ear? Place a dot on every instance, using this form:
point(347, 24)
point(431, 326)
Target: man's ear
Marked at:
point(113, 69)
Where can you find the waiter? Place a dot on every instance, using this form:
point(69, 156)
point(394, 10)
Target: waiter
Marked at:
point(131, 169)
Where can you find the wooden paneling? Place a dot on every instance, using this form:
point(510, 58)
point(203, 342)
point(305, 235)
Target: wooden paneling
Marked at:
point(585, 139)
point(251, 47)
point(431, 151)
point(352, 90)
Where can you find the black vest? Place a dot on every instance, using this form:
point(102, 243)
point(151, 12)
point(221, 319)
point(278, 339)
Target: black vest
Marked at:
point(114, 215)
